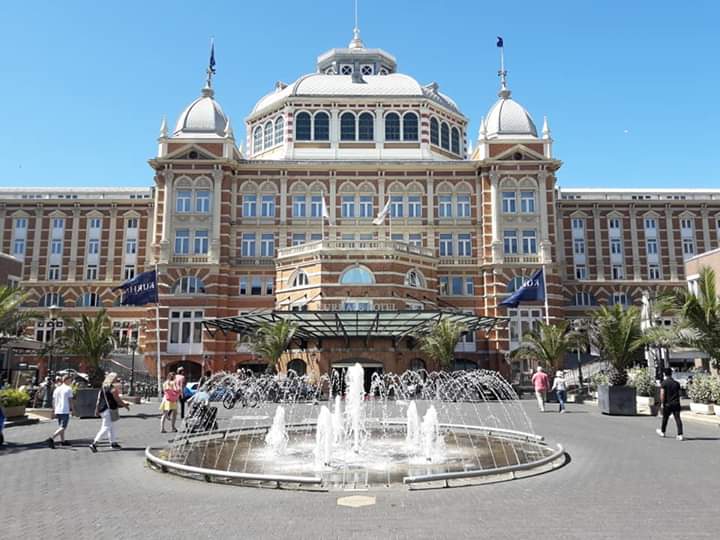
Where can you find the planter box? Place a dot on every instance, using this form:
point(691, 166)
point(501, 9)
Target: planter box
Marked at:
point(14, 412)
point(717, 409)
point(85, 401)
point(646, 403)
point(701, 408)
point(617, 400)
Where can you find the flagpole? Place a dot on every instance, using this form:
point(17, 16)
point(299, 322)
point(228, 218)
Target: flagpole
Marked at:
point(157, 332)
point(547, 312)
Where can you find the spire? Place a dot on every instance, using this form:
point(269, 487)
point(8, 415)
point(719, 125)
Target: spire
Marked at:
point(545, 129)
point(163, 128)
point(356, 42)
point(229, 130)
point(207, 91)
point(504, 92)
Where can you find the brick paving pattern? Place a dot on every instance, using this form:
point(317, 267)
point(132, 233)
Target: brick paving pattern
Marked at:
point(622, 481)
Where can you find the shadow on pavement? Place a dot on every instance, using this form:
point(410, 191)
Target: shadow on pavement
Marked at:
point(13, 448)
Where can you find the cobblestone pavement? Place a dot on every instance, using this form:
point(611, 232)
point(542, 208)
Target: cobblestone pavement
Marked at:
point(622, 481)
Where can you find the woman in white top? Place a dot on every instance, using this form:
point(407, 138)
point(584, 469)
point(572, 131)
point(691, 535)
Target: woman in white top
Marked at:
point(560, 388)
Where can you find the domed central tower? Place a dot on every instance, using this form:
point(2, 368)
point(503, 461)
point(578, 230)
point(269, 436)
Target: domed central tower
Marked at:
point(356, 106)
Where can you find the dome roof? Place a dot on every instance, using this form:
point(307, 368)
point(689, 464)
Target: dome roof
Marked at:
point(508, 119)
point(202, 118)
point(318, 84)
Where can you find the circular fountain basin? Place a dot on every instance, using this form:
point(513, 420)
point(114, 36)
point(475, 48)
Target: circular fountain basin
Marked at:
point(473, 454)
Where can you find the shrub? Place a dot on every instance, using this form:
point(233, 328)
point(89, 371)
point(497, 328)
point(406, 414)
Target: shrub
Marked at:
point(700, 390)
point(597, 379)
point(14, 398)
point(715, 389)
point(643, 381)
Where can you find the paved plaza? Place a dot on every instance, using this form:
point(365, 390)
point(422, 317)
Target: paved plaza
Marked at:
point(622, 481)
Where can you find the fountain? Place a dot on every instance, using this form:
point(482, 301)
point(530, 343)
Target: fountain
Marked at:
point(415, 428)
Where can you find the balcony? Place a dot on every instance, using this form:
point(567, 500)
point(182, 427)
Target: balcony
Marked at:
point(521, 259)
point(255, 261)
point(190, 259)
point(354, 245)
point(457, 261)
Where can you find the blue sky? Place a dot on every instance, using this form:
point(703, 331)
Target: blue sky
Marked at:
point(630, 87)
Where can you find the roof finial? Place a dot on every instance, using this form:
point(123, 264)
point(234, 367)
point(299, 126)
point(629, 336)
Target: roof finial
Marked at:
point(229, 130)
point(356, 42)
point(502, 73)
point(208, 91)
point(163, 128)
point(545, 129)
point(483, 129)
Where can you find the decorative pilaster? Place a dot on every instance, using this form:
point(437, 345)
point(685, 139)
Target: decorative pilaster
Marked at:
point(35, 263)
point(598, 245)
point(72, 267)
point(214, 251)
point(110, 264)
point(637, 275)
point(671, 243)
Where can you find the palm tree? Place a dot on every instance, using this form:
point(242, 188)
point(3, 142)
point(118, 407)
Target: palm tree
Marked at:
point(439, 344)
point(271, 340)
point(90, 338)
point(548, 344)
point(699, 316)
point(12, 318)
point(616, 333)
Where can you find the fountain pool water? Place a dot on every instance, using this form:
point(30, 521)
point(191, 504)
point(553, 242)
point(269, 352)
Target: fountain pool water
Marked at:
point(416, 428)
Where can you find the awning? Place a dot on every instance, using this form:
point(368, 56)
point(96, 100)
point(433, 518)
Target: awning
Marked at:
point(347, 324)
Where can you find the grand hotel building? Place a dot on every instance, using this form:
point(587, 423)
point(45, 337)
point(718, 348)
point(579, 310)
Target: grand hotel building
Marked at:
point(236, 232)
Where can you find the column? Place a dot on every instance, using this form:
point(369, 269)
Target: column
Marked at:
point(72, 267)
point(430, 210)
point(705, 229)
point(671, 242)
point(149, 240)
point(598, 245)
point(331, 202)
point(637, 275)
point(495, 203)
point(381, 204)
point(168, 175)
point(214, 253)
point(545, 244)
point(283, 198)
point(110, 259)
point(2, 231)
point(35, 263)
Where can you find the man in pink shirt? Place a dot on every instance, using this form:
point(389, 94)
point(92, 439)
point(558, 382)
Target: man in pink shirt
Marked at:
point(540, 382)
point(180, 383)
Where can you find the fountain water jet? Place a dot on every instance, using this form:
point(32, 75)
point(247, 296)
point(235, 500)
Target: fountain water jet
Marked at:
point(277, 438)
point(324, 438)
point(413, 437)
point(354, 396)
point(433, 444)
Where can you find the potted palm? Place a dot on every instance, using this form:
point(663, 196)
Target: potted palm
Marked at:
point(91, 339)
point(615, 332)
point(700, 392)
point(439, 344)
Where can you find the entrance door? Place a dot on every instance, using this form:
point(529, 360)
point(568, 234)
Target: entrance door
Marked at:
point(370, 369)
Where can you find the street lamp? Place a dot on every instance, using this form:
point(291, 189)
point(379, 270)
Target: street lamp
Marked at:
point(579, 327)
point(133, 348)
point(53, 312)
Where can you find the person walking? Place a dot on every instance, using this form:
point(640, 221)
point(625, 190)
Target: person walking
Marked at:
point(670, 403)
point(540, 383)
point(560, 388)
point(62, 407)
point(168, 405)
point(108, 403)
point(180, 382)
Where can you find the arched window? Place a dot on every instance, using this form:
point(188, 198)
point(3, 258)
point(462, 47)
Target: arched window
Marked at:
point(392, 127)
point(302, 126)
point(322, 127)
point(347, 127)
point(300, 279)
point(455, 141)
point(410, 127)
point(298, 366)
point(279, 129)
point(89, 299)
point(268, 135)
point(257, 140)
point(189, 285)
point(365, 131)
point(357, 275)
point(414, 279)
point(434, 132)
point(52, 299)
point(445, 136)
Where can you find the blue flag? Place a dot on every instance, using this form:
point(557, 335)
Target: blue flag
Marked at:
point(140, 290)
point(212, 58)
point(499, 41)
point(533, 289)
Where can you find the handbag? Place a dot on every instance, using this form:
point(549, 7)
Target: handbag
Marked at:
point(114, 413)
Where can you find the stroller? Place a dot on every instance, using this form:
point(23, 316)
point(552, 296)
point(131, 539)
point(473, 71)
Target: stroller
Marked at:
point(202, 417)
